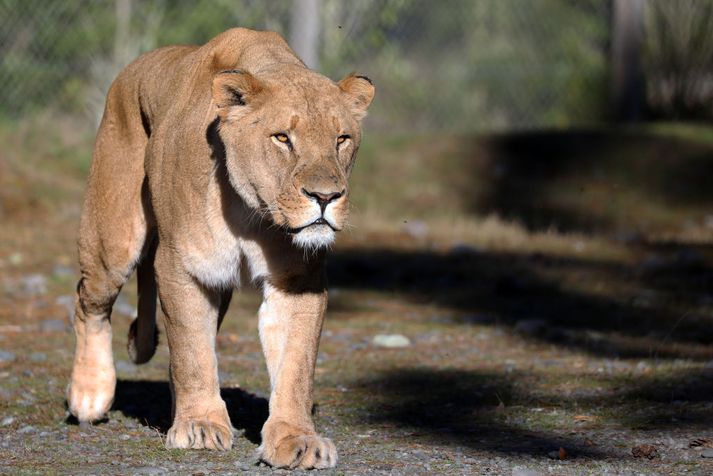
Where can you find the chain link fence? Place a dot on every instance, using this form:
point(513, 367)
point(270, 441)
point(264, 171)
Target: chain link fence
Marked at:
point(453, 65)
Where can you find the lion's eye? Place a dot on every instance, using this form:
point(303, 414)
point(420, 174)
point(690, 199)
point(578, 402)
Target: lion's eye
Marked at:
point(342, 139)
point(283, 139)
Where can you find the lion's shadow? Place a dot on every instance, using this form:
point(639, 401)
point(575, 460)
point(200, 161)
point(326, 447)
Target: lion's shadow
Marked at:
point(150, 403)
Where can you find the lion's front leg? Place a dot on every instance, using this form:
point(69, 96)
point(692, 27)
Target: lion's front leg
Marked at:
point(200, 417)
point(290, 327)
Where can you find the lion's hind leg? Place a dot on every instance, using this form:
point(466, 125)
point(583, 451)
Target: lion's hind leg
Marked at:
point(106, 263)
point(112, 234)
point(91, 390)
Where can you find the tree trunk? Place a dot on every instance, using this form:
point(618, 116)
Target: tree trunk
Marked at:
point(627, 79)
point(122, 38)
point(304, 31)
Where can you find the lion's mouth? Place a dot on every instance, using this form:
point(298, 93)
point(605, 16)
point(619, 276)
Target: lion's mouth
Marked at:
point(317, 222)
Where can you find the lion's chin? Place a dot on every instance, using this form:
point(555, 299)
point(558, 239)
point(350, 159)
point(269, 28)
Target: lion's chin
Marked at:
point(314, 237)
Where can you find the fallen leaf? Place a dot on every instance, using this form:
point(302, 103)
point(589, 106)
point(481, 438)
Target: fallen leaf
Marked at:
point(645, 451)
point(563, 453)
point(701, 443)
point(585, 418)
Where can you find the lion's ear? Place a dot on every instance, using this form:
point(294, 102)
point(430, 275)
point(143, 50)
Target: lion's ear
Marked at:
point(359, 91)
point(234, 88)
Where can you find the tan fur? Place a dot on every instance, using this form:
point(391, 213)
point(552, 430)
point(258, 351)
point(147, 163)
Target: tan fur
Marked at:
point(192, 180)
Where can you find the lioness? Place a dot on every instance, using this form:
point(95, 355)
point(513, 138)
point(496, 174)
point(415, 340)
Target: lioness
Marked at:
point(210, 163)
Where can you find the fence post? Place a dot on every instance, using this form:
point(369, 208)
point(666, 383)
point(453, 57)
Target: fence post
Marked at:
point(627, 79)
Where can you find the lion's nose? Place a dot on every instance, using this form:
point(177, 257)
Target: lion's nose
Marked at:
point(322, 198)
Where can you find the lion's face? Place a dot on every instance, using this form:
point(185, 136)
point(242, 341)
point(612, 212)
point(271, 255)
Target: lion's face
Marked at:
point(290, 145)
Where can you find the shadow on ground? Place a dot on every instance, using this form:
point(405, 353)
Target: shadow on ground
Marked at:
point(463, 408)
point(150, 403)
point(595, 180)
point(649, 320)
point(681, 399)
point(472, 409)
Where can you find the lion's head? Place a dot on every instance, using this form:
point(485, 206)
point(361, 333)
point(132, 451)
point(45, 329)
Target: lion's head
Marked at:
point(291, 140)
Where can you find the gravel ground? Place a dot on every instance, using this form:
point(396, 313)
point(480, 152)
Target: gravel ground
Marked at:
point(404, 386)
point(490, 350)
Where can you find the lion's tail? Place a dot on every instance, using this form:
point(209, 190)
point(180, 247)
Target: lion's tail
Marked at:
point(143, 335)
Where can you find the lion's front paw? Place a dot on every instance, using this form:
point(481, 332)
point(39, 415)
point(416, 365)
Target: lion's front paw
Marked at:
point(91, 393)
point(209, 433)
point(286, 446)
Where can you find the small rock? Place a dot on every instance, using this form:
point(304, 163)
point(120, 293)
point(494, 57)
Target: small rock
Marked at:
point(26, 429)
point(7, 356)
point(243, 466)
point(34, 284)
point(37, 356)
point(53, 325)
point(645, 451)
point(417, 229)
point(391, 341)
point(707, 453)
point(7, 421)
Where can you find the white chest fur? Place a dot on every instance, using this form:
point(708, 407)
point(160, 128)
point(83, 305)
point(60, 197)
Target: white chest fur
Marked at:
point(214, 258)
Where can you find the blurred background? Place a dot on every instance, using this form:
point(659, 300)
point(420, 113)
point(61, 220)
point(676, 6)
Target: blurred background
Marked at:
point(459, 65)
point(532, 211)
